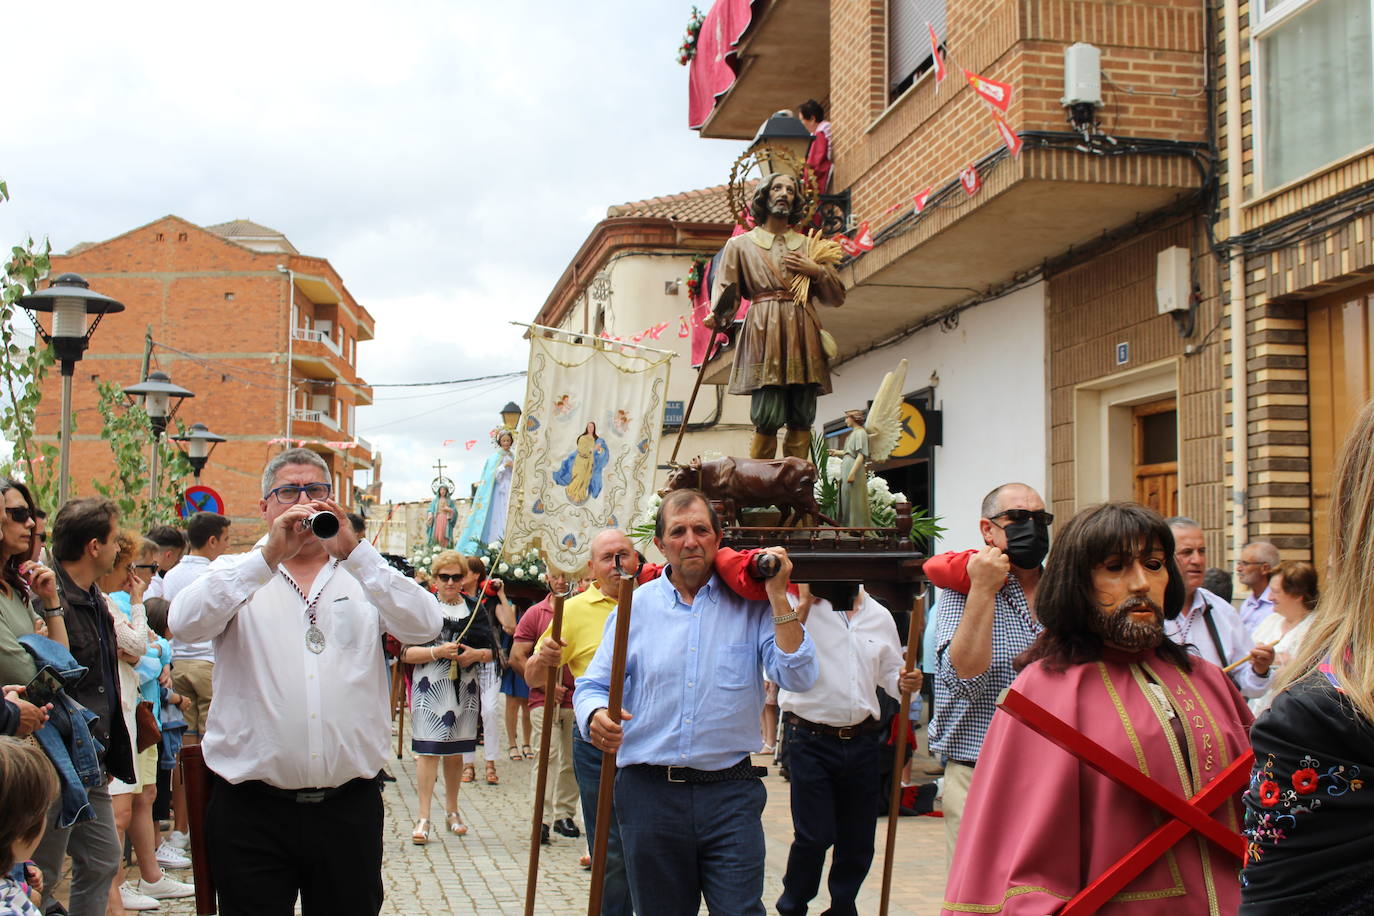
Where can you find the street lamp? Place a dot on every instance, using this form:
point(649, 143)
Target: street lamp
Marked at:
point(198, 442)
point(784, 133)
point(510, 415)
point(160, 400)
point(71, 301)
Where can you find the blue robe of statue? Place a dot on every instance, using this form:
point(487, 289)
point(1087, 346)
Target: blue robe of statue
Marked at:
point(475, 527)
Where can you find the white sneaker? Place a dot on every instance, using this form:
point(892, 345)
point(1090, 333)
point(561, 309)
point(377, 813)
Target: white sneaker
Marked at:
point(169, 856)
point(179, 840)
point(165, 888)
point(133, 900)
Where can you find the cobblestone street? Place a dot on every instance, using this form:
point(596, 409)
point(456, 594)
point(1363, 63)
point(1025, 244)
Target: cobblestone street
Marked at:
point(484, 872)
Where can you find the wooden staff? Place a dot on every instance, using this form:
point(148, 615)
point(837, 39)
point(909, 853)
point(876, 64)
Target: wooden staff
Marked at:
point(545, 740)
point(195, 776)
point(398, 703)
point(606, 791)
point(894, 798)
point(1238, 662)
point(724, 313)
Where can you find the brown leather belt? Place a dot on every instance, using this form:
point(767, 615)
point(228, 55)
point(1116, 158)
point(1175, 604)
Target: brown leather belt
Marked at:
point(843, 732)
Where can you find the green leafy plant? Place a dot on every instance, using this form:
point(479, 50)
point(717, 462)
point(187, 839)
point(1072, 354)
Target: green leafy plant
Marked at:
point(827, 484)
point(128, 431)
point(23, 366)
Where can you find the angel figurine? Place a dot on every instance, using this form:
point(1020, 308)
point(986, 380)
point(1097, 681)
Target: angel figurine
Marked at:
point(869, 443)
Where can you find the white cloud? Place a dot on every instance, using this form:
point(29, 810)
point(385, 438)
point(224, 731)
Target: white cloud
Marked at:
point(447, 158)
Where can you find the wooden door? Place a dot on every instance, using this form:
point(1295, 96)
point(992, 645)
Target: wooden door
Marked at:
point(1340, 361)
point(1156, 455)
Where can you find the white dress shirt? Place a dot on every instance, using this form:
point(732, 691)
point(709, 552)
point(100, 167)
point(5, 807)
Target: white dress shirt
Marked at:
point(1189, 628)
point(189, 569)
point(283, 714)
point(856, 655)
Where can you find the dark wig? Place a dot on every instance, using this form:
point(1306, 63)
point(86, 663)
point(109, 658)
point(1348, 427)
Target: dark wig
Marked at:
point(759, 208)
point(1065, 600)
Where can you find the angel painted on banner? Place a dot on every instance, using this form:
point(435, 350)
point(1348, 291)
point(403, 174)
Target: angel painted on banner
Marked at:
point(580, 472)
point(869, 443)
point(442, 515)
point(486, 521)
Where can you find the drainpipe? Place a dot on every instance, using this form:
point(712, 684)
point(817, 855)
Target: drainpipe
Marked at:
point(1240, 344)
point(290, 347)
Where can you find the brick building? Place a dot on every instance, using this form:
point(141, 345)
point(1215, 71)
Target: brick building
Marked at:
point(264, 336)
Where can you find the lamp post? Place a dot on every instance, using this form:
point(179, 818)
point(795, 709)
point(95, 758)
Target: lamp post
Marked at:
point(197, 442)
point(782, 132)
point(160, 399)
point(71, 301)
point(510, 415)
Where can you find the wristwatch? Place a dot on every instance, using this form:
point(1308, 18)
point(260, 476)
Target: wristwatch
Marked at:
point(53, 612)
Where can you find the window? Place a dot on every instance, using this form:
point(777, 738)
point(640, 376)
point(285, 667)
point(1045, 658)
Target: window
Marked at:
point(908, 41)
point(1316, 85)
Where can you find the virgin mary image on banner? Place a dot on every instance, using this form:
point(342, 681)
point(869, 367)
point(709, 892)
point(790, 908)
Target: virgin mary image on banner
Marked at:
point(486, 521)
point(580, 472)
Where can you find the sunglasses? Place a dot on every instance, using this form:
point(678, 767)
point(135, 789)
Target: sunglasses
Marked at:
point(449, 577)
point(151, 567)
point(1039, 516)
point(20, 514)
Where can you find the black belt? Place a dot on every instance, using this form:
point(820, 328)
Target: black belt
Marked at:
point(303, 796)
point(742, 770)
point(963, 763)
point(844, 733)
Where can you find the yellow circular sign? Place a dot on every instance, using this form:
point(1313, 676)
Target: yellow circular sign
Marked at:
point(913, 432)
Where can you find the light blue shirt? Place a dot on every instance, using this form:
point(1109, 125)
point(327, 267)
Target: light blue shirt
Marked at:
point(692, 675)
point(1256, 608)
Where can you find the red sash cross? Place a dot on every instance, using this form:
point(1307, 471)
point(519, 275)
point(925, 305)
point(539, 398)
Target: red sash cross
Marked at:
point(1186, 814)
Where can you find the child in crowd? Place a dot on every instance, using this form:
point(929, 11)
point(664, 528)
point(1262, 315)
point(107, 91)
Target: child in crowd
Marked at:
point(28, 788)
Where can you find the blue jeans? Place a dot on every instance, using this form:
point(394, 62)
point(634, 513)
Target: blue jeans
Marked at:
point(686, 841)
point(835, 793)
point(615, 896)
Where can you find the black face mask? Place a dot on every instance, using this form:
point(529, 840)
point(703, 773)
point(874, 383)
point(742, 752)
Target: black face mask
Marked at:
point(1027, 543)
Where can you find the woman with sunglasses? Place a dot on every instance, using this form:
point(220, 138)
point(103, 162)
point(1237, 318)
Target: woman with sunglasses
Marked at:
point(19, 579)
point(444, 694)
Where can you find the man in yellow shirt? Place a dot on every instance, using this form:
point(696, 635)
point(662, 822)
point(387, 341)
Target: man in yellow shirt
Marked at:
point(584, 620)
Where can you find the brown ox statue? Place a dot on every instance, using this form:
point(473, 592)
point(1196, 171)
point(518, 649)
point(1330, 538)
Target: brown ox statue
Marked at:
point(787, 483)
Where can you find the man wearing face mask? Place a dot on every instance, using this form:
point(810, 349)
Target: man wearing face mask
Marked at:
point(980, 631)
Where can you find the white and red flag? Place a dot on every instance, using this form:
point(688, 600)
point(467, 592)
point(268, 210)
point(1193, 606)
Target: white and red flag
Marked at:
point(938, 56)
point(969, 179)
point(999, 94)
point(1012, 140)
point(921, 199)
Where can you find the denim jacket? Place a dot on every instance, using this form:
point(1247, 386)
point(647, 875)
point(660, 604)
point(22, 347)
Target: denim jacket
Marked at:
point(66, 738)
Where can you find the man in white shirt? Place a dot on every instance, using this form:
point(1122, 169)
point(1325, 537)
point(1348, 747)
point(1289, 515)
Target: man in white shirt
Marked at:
point(171, 545)
point(301, 728)
point(1257, 563)
point(834, 741)
point(193, 663)
point(1209, 626)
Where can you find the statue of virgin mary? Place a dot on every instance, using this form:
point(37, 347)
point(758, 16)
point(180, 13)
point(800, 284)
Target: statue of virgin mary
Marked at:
point(486, 522)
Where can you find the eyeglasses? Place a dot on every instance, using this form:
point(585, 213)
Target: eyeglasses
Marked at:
point(449, 577)
point(151, 567)
point(290, 494)
point(1251, 563)
point(20, 514)
point(1040, 516)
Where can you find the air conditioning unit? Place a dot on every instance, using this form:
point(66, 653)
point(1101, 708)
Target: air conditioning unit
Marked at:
point(1174, 280)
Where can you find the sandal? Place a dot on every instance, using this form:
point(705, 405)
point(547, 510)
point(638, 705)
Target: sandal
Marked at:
point(529, 755)
point(420, 835)
point(515, 753)
point(455, 824)
point(492, 778)
point(469, 772)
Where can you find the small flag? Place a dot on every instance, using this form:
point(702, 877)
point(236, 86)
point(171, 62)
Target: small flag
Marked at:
point(940, 71)
point(863, 239)
point(998, 94)
point(683, 328)
point(656, 330)
point(968, 177)
point(469, 444)
point(1012, 140)
point(893, 209)
point(921, 199)
point(447, 443)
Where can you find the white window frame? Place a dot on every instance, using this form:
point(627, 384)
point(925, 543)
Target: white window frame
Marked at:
point(1262, 23)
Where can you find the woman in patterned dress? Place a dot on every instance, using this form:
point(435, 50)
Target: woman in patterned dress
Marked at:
point(444, 694)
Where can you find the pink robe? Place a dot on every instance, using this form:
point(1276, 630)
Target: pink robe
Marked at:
point(1039, 826)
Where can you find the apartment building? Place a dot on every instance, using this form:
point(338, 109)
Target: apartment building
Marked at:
point(265, 337)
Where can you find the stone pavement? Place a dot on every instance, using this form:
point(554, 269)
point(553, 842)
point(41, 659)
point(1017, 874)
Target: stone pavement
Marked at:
point(484, 871)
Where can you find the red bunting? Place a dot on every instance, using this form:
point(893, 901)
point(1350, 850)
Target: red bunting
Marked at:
point(863, 239)
point(447, 443)
point(922, 198)
point(968, 178)
point(656, 330)
point(940, 71)
point(683, 329)
point(999, 94)
point(469, 444)
point(1012, 140)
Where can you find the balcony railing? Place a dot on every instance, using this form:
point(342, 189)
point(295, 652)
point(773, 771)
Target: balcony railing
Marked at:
point(362, 443)
point(314, 416)
point(319, 337)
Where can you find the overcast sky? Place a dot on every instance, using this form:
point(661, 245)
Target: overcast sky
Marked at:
point(448, 158)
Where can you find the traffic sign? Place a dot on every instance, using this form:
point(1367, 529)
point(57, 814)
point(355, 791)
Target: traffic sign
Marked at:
point(200, 499)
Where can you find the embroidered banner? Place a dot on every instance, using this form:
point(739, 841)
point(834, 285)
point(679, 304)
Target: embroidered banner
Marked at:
point(588, 445)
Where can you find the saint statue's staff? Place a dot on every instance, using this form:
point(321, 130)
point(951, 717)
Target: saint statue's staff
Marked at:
point(894, 798)
point(545, 739)
point(606, 791)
